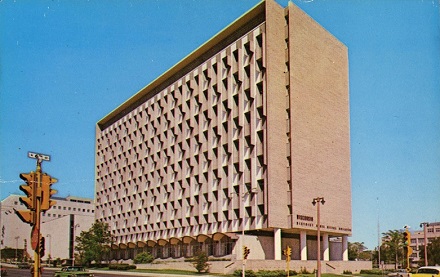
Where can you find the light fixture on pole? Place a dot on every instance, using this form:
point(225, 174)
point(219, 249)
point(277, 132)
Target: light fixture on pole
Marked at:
point(319, 201)
point(16, 248)
point(425, 242)
point(50, 246)
point(73, 244)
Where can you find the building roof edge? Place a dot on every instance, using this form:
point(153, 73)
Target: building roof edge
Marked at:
point(198, 52)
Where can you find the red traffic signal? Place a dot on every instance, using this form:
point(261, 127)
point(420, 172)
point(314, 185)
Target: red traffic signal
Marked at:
point(42, 246)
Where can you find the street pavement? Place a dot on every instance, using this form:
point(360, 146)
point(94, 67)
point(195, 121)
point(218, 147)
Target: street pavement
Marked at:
point(13, 271)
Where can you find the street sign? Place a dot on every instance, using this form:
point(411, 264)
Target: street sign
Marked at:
point(38, 156)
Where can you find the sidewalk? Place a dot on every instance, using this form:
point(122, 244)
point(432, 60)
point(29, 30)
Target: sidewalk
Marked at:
point(155, 274)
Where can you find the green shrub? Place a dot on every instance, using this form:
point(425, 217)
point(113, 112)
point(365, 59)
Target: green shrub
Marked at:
point(248, 273)
point(371, 271)
point(275, 273)
point(143, 258)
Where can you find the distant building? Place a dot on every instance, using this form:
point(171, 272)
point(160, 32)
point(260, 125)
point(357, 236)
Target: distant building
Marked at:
point(56, 226)
point(238, 137)
point(418, 239)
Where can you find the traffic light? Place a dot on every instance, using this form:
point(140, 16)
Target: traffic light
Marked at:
point(47, 192)
point(30, 200)
point(406, 238)
point(287, 252)
point(407, 248)
point(246, 252)
point(30, 189)
point(26, 216)
point(41, 246)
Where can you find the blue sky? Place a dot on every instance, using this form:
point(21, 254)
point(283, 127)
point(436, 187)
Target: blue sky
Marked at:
point(66, 64)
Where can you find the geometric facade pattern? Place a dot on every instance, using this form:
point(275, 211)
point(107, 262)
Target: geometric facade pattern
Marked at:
point(176, 166)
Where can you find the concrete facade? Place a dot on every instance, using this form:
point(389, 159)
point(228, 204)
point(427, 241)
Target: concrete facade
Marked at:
point(56, 224)
point(230, 146)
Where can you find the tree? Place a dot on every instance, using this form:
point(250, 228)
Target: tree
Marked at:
point(433, 249)
point(93, 244)
point(200, 262)
point(392, 246)
point(355, 250)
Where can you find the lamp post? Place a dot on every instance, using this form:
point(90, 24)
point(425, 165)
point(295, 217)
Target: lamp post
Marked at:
point(425, 224)
point(73, 244)
point(319, 201)
point(50, 246)
point(16, 247)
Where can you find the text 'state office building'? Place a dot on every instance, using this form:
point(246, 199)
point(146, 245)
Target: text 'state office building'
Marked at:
point(239, 136)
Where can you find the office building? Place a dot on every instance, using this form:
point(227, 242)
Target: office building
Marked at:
point(229, 147)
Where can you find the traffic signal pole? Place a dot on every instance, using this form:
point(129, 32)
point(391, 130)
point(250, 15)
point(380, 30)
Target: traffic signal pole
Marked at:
point(38, 192)
point(36, 231)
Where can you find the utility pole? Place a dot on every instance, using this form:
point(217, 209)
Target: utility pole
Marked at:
point(37, 200)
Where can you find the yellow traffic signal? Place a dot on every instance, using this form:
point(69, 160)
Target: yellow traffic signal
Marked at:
point(26, 216)
point(406, 238)
point(30, 189)
point(246, 252)
point(47, 192)
point(287, 252)
point(30, 201)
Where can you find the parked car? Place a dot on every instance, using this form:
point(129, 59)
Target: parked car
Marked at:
point(3, 272)
point(427, 271)
point(399, 273)
point(23, 265)
point(73, 271)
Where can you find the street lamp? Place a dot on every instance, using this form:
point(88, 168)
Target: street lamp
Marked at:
point(425, 224)
point(73, 244)
point(16, 247)
point(50, 246)
point(319, 201)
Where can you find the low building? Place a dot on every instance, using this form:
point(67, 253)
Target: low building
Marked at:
point(430, 232)
point(56, 224)
point(60, 233)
